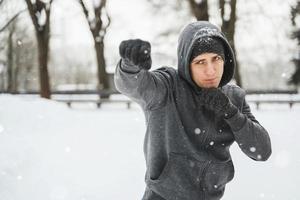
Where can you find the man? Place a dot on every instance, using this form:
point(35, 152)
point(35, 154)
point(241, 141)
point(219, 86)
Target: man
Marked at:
point(192, 115)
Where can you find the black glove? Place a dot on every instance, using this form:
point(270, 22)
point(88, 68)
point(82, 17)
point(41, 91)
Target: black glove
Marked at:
point(137, 52)
point(214, 99)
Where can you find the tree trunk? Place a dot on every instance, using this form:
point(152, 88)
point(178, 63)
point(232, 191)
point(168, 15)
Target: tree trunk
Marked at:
point(10, 62)
point(101, 65)
point(42, 34)
point(16, 68)
point(43, 45)
point(237, 75)
point(98, 30)
point(228, 28)
point(199, 10)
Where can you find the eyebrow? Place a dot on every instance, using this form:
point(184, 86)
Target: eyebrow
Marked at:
point(203, 59)
point(198, 60)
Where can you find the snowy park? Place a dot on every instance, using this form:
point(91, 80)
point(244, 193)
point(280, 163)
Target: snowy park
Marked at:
point(68, 132)
point(49, 151)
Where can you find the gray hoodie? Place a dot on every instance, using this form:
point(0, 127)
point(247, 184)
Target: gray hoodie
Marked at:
point(186, 146)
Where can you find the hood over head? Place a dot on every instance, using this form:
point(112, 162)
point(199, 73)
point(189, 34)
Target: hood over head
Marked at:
point(189, 35)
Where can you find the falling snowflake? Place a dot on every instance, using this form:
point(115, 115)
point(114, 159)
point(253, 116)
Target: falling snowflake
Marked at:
point(252, 149)
point(261, 195)
point(67, 149)
point(40, 116)
point(283, 75)
point(197, 131)
point(1, 128)
point(283, 159)
point(19, 43)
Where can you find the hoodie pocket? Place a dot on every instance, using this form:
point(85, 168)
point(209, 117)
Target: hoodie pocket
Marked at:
point(216, 176)
point(180, 178)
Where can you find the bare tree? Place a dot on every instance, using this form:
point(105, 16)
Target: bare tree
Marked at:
point(40, 14)
point(228, 27)
point(10, 69)
point(10, 28)
point(295, 78)
point(19, 63)
point(98, 29)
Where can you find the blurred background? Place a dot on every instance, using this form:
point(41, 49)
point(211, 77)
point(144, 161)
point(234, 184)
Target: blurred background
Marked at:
point(62, 44)
point(66, 133)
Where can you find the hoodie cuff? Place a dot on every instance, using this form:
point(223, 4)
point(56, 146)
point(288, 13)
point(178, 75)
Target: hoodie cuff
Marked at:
point(237, 121)
point(128, 67)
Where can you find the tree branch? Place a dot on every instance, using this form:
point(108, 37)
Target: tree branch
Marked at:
point(32, 11)
point(11, 20)
point(107, 25)
point(222, 8)
point(86, 12)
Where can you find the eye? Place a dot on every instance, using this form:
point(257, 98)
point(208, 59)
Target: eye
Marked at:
point(201, 62)
point(217, 58)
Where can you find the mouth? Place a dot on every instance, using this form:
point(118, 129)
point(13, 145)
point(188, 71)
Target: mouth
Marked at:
point(210, 80)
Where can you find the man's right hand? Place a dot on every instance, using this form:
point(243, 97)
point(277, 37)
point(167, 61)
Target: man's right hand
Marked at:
point(137, 51)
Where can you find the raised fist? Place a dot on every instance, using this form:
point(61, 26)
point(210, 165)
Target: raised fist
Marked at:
point(136, 51)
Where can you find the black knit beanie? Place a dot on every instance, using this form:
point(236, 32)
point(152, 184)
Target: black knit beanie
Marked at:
point(207, 45)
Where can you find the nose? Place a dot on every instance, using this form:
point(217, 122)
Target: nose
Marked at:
point(210, 70)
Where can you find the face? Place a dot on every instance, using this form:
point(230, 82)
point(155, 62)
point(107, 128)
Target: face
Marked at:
point(207, 69)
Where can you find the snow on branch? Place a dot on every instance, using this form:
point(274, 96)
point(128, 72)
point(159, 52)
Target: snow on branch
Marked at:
point(97, 3)
point(40, 12)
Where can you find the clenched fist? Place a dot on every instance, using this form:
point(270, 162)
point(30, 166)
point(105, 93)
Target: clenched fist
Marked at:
point(136, 51)
point(214, 99)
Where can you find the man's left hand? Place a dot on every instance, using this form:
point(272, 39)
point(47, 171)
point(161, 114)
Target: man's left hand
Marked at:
point(214, 99)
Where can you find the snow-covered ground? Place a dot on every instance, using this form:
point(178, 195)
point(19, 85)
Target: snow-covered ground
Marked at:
point(51, 152)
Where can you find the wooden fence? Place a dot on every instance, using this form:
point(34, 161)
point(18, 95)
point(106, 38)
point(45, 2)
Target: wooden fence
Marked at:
point(102, 96)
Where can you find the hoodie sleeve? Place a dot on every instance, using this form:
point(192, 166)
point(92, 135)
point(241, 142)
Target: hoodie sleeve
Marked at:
point(252, 138)
point(150, 89)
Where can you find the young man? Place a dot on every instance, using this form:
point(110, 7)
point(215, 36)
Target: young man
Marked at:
point(192, 115)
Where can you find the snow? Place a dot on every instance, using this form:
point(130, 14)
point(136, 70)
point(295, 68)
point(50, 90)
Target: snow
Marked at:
point(49, 151)
point(252, 149)
point(96, 3)
point(41, 17)
point(197, 131)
